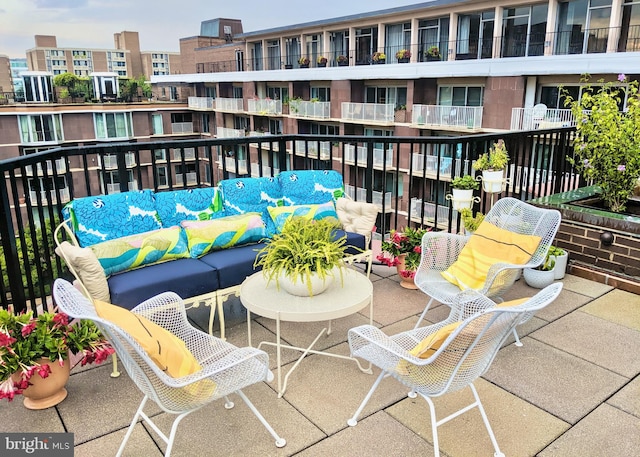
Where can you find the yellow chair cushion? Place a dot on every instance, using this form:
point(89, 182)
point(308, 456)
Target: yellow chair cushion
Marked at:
point(516, 302)
point(487, 246)
point(168, 351)
point(432, 342)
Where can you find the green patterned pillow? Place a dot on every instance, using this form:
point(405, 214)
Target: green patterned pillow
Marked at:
point(134, 251)
point(281, 214)
point(215, 234)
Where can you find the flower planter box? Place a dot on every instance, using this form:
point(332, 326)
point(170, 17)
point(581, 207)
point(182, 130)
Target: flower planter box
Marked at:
point(403, 60)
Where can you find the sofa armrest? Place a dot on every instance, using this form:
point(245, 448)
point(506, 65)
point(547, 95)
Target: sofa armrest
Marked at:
point(357, 217)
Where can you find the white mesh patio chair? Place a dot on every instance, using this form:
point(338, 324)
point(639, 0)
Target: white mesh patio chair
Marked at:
point(226, 368)
point(440, 250)
point(461, 357)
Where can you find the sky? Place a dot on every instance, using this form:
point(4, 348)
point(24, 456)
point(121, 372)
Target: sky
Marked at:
point(160, 23)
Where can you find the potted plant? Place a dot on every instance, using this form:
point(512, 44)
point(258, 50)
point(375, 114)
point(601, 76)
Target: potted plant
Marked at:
point(343, 61)
point(541, 276)
point(403, 55)
point(304, 258)
point(492, 164)
point(403, 250)
point(462, 188)
point(34, 354)
point(561, 257)
point(433, 53)
point(606, 146)
point(304, 62)
point(469, 221)
point(321, 61)
point(379, 57)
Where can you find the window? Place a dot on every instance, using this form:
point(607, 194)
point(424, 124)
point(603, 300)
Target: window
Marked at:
point(630, 31)
point(366, 44)
point(339, 43)
point(174, 93)
point(313, 46)
point(324, 129)
point(45, 187)
point(475, 36)
point(278, 93)
point(460, 95)
point(240, 123)
point(160, 154)
point(275, 126)
point(292, 48)
point(111, 181)
point(205, 123)
point(210, 92)
point(433, 32)
point(273, 54)
point(237, 92)
point(161, 176)
point(113, 125)
point(256, 57)
point(398, 37)
point(181, 117)
point(156, 122)
point(41, 128)
point(583, 26)
point(393, 95)
point(322, 94)
point(523, 31)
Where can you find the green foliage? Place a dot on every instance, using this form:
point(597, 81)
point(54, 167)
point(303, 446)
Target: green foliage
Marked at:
point(132, 88)
point(556, 251)
point(549, 263)
point(433, 51)
point(466, 182)
point(65, 80)
point(496, 159)
point(470, 221)
point(64, 93)
point(607, 142)
point(76, 86)
point(408, 242)
point(302, 248)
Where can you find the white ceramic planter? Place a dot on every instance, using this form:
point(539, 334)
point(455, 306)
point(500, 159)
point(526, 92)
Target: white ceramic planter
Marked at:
point(538, 279)
point(462, 198)
point(561, 265)
point(492, 181)
point(299, 288)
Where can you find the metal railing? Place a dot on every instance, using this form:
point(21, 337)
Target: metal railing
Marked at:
point(224, 132)
point(377, 112)
point(407, 170)
point(182, 127)
point(450, 116)
point(206, 103)
point(531, 119)
point(229, 104)
point(264, 106)
point(301, 108)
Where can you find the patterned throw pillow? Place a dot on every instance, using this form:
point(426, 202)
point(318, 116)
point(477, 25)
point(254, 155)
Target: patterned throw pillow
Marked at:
point(251, 195)
point(142, 249)
point(303, 187)
point(190, 204)
point(281, 214)
point(206, 236)
point(107, 217)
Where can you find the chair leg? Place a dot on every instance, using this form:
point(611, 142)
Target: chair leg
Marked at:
point(485, 419)
point(424, 313)
point(434, 426)
point(114, 372)
point(136, 416)
point(518, 342)
point(280, 442)
point(354, 420)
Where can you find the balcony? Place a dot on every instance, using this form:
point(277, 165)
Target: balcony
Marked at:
point(374, 112)
point(110, 162)
point(187, 153)
point(264, 107)
point(230, 105)
point(540, 118)
point(181, 127)
point(115, 188)
point(224, 132)
point(469, 117)
point(266, 170)
point(377, 197)
point(310, 149)
point(191, 178)
point(60, 168)
point(430, 211)
point(264, 145)
point(380, 158)
point(230, 166)
point(202, 103)
point(318, 110)
point(49, 196)
point(427, 165)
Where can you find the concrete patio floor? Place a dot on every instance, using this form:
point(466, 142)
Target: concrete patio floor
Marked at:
point(572, 390)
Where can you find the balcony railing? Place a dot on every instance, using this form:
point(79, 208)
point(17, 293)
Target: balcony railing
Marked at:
point(115, 188)
point(191, 177)
point(182, 127)
point(224, 132)
point(377, 112)
point(319, 110)
point(266, 170)
point(264, 144)
point(206, 103)
point(230, 166)
point(380, 199)
point(264, 106)
point(535, 118)
point(188, 153)
point(380, 158)
point(232, 105)
point(60, 168)
point(49, 196)
point(111, 161)
point(310, 149)
point(449, 116)
point(433, 167)
point(431, 212)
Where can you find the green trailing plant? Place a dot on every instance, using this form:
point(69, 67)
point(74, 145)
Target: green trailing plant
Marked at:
point(607, 141)
point(466, 182)
point(469, 221)
point(495, 160)
point(548, 264)
point(433, 51)
point(303, 247)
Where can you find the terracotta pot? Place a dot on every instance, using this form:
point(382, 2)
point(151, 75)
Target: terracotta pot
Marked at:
point(407, 283)
point(47, 392)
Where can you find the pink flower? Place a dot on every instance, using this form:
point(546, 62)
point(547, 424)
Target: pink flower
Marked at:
point(27, 329)
point(621, 168)
point(417, 249)
point(622, 77)
point(61, 319)
point(7, 389)
point(44, 371)
point(6, 340)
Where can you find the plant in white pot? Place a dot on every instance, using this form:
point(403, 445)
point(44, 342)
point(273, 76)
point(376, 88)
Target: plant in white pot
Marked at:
point(462, 190)
point(305, 257)
point(561, 257)
point(492, 164)
point(541, 276)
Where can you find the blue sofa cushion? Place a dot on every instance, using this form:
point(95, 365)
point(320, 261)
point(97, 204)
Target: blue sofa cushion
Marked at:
point(301, 187)
point(188, 205)
point(107, 217)
point(234, 264)
point(355, 243)
point(186, 277)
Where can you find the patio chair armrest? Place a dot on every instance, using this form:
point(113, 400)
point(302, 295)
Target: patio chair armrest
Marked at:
point(440, 250)
point(366, 335)
point(169, 304)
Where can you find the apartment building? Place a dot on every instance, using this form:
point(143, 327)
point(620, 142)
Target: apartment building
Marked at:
point(126, 59)
point(6, 79)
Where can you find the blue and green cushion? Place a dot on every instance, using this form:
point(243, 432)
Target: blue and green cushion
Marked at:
point(216, 234)
point(311, 186)
point(133, 251)
point(281, 214)
point(107, 217)
point(190, 204)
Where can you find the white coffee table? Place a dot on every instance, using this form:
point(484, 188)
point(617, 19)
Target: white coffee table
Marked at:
point(339, 300)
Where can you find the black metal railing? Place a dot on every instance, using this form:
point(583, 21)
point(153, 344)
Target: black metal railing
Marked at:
point(407, 177)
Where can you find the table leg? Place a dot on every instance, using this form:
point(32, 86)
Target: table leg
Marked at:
point(279, 357)
point(249, 328)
